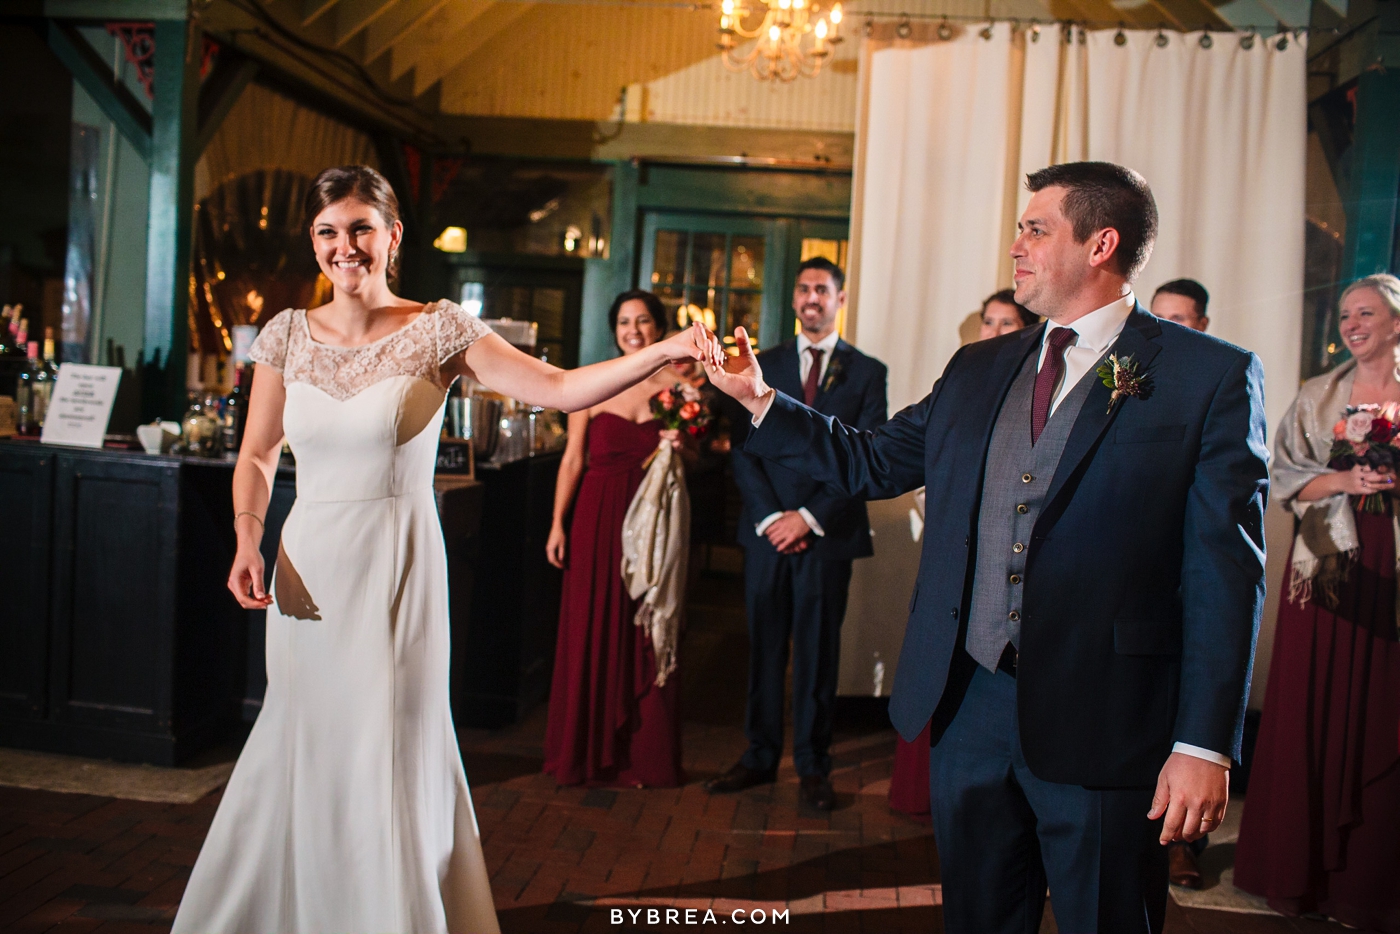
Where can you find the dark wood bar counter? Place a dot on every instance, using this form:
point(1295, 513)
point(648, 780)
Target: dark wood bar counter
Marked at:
point(119, 638)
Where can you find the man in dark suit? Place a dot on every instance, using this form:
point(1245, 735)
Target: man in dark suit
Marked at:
point(799, 537)
point(1082, 630)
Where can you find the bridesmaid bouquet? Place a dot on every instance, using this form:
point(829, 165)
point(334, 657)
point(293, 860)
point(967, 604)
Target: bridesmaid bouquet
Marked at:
point(681, 408)
point(1367, 435)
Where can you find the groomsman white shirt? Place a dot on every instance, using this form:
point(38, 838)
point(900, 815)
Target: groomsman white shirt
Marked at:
point(804, 368)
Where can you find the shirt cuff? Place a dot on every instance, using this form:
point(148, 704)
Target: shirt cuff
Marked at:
point(1200, 753)
point(758, 419)
point(811, 521)
point(767, 521)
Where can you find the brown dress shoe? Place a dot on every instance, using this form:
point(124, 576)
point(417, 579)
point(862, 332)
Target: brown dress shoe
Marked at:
point(1181, 866)
point(738, 778)
point(817, 792)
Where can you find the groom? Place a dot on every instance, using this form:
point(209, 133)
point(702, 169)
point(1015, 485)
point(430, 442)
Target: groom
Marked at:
point(1082, 629)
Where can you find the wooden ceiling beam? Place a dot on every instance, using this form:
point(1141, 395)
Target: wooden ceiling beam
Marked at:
point(447, 54)
point(391, 28)
point(312, 10)
point(352, 16)
point(432, 33)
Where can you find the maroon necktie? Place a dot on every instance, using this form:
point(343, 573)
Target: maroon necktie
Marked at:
point(814, 376)
point(1045, 381)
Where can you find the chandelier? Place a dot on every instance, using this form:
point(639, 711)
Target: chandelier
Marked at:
point(785, 25)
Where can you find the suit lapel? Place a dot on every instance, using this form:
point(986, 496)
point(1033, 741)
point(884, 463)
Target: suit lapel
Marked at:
point(1094, 418)
point(1005, 367)
point(836, 371)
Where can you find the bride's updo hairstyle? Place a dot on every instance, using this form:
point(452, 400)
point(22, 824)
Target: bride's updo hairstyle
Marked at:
point(361, 183)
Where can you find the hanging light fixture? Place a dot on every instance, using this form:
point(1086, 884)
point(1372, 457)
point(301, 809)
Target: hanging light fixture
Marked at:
point(794, 37)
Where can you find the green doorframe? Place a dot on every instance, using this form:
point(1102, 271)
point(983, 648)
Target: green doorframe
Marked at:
point(790, 197)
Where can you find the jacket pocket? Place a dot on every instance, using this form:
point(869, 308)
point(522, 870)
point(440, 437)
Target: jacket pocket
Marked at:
point(1146, 637)
point(1139, 434)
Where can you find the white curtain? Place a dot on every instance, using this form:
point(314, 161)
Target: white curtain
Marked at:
point(948, 130)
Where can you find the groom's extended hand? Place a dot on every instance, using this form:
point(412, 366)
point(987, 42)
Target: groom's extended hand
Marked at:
point(1192, 793)
point(738, 376)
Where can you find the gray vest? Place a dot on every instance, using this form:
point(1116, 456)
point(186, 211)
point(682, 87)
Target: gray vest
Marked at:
point(1018, 475)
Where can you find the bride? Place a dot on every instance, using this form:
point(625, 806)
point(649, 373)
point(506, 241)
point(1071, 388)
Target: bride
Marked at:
point(348, 810)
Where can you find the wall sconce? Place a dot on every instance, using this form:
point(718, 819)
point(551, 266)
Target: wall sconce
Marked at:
point(452, 240)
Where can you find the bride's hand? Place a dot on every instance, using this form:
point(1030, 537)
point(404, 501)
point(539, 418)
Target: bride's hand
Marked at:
point(691, 344)
point(557, 546)
point(245, 579)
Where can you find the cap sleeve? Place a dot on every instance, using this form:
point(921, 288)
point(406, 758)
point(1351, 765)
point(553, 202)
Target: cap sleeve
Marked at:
point(270, 346)
point(457, 330)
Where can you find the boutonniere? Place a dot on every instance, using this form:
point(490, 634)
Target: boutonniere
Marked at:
point(833, 374)
point(1121, 374)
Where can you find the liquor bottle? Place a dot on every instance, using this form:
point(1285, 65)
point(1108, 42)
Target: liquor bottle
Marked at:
point(236, 408)
point(22, 333)
point(27, 423)
point(50, 354)
point(6, 330)
point(45, 375)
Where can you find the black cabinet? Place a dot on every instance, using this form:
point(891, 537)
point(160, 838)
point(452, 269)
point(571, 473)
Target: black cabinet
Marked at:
point(502, 663)
point(119, 638)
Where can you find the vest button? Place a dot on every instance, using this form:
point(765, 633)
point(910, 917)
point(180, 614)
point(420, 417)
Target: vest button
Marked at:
point(1018, 548)
point(1023, 509)
point(1015, 578)
point(1013, 616)
point(1026, 478)
point(955, 612)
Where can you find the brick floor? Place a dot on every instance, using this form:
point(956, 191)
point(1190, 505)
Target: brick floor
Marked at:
point(575, 860)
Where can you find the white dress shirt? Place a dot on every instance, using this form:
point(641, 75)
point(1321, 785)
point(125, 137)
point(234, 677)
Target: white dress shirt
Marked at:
point(804, 367)
point(1096, 333)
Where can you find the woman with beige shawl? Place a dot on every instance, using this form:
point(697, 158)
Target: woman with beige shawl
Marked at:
point(614, 705)
point(1322, 822)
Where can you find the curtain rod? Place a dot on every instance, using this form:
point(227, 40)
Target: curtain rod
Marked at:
point(1246, 28)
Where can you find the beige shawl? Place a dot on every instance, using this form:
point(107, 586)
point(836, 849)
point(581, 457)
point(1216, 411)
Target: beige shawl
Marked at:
point(1325, 543)
point(655, 550)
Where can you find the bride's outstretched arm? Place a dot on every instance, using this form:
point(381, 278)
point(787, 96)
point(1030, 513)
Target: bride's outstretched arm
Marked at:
point(252, 485)
point(495, 363)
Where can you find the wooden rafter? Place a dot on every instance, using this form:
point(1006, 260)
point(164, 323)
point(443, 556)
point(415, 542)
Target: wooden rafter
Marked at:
point(352, 16)
point(433, 34)
point(398, 22)
point(447, 55)
point(312, 10)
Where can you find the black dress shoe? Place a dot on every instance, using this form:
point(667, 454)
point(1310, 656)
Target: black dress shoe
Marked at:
point(739, 778)
point(817, 792)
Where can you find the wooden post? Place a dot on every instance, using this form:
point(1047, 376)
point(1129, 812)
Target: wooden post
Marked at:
point(178, 50)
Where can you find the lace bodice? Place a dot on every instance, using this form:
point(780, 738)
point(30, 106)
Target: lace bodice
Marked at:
point(417, 349)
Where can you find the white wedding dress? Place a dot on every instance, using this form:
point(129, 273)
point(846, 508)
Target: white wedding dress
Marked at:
point(348, 811)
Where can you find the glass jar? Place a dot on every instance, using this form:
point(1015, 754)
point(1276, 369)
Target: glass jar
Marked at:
point(201, 430)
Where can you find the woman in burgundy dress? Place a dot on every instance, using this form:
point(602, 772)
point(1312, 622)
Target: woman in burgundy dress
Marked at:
point(609, 723)
point(1321, 824)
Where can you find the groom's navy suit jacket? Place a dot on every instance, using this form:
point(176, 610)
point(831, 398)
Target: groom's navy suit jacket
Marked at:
point(1145, 570)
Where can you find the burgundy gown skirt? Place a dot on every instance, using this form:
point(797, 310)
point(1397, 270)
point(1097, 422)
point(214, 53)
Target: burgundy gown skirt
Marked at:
point(609, 724)
point(909, 782)
point(1321, 824)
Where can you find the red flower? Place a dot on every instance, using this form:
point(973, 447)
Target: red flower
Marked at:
point(1381, 431)
point(664, 397)
point(690, 410)
point(694, 429)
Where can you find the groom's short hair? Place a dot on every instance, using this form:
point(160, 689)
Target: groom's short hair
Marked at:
point(1099, 195)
